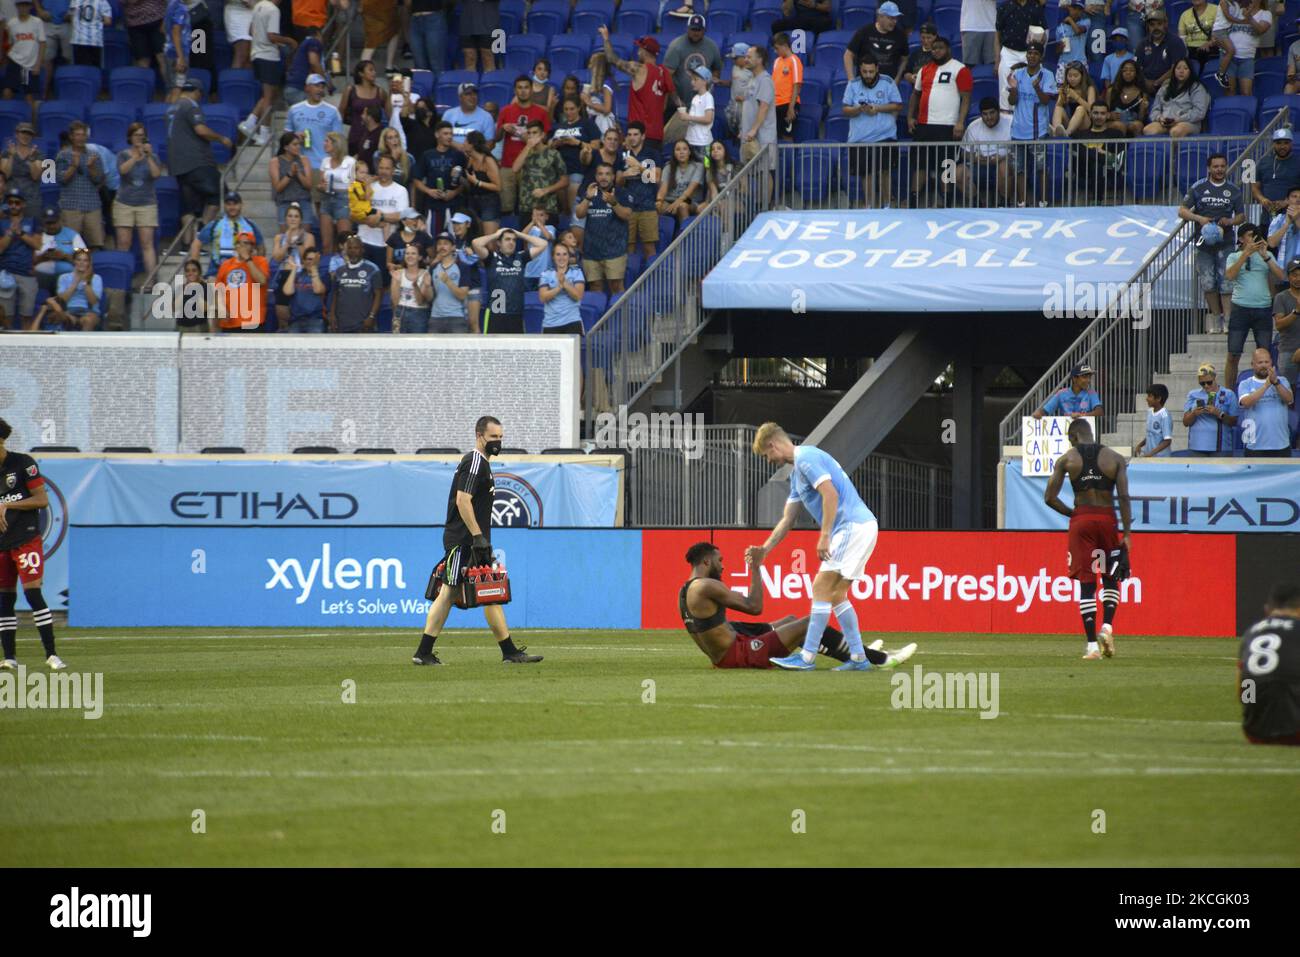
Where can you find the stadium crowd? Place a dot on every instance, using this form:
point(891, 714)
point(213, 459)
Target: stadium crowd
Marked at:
point(575, 142)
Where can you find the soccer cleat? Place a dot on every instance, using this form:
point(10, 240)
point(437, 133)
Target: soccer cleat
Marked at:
point(876, 645)
point(429, 659)
point(1107, 642)
point(852, 665)
point(56, 663)
point(1092, 656)
point(793, 662)
point(519, 658)
point(896, 658)
point(9, 664)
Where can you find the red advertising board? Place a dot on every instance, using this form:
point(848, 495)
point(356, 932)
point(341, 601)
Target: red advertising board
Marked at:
point(983, 582)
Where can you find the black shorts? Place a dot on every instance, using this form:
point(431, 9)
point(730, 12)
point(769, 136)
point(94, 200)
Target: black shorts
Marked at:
point(503, 325)
point(784, 127)
point(869, 159)
point(146, 41)
point(200, 188)
point(269, 72)
point(450, 569)
point(476, 41)
point(569, 329)
point(21, 81)
point(88, 56)
point(485, 207)
point(752, 629)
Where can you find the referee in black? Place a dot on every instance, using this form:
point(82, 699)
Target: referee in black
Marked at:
point(469, 523)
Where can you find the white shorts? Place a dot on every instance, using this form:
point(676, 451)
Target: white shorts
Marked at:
point(238, 21)
point(851, 549)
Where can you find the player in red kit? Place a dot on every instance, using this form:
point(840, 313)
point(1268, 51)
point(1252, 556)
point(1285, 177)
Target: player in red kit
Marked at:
point(1097, 550)
point(652, 84)
point(22, 553)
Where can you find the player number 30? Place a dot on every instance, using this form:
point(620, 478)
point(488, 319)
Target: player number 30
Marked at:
point(1263, 654)
point(30, 560)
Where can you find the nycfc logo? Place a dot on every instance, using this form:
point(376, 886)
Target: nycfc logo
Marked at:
point(53, 519)
point(755, 644)
point(515, 503)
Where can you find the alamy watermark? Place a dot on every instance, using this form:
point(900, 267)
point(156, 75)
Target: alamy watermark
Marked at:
point(62, 690)
point(683, 431)
point(946, 691)
point(1073, 299)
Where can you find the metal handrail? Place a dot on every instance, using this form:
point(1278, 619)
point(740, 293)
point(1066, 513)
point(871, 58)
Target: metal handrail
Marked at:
point(639, 296)
point(230, 166)
point(1113, 322)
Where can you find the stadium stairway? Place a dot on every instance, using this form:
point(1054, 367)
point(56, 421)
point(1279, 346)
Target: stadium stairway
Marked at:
point(250, 165)
point(1180, 380)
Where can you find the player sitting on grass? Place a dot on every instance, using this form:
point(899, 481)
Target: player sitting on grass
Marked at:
point(1268, 669)
point(703, 603)
point(22, 553)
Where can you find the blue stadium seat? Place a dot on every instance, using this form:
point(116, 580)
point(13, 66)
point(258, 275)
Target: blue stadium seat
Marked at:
point(624, 45)
point(816, 83)
point(807, 124)
point(1268, 108)
point(817, 172)
point(203, 78)
point(117, 48)
point(762, 20)
point(169, 206)
point(498, 93)
point(533, 319)
point(1145, 168)
point(1232, 115)
point(667, 231)
point(637, 17)
point(449, 83)
point(13, 112)
point(726, 22)
point(569, 53)
point(78, 83)
point(830, 49)
point(512, 17)
point(588, 15)
point(1190, 161)
point(222, 55)
point(108, 122)
point(238, 89)
point(223, 118)
point(547, 18)
point(837, 125)
point(132, 84)
point(1269, 83)
point(54, 116)
point(948, 20)
point(422, 83)
point(522, 53)
point(115, 268)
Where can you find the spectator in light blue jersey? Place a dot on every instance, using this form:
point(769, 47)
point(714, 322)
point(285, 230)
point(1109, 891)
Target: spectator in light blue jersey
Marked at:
point(847, 539)
point(1209, 414)
point(1159, 438)
point(1265, 398)
point(1076, 401)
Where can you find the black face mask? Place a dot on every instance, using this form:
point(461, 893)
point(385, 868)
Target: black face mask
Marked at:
point(493, 448)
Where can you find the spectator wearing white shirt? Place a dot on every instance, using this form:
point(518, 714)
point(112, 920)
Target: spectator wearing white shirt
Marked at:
point(978, 31)
point(22, 70)
point(699, 118)
point(387, 200)
point(985, 173)
point(1159, 436)
point(267, 67)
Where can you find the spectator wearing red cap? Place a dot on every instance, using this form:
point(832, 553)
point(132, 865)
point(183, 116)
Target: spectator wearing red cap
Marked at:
point(242, 281)
point(652, 84)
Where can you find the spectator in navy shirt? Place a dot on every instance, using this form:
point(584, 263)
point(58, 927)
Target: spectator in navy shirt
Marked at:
point(1160, 52)
point(300, 307)
point(438, 178)
point(1076, 401)
point(503, 288)
point(571, 133)
point(606, 210)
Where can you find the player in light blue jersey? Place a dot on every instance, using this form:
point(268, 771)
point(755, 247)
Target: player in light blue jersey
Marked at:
point(848, 537)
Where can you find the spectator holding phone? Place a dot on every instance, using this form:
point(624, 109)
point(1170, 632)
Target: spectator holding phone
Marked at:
point(1210, 413)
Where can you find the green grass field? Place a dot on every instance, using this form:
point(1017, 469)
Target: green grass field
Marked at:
point(250, 727)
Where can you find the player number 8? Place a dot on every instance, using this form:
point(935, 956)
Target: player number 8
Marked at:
point(1263, 654)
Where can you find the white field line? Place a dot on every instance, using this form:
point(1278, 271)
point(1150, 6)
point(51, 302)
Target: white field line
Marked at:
point(435, 773)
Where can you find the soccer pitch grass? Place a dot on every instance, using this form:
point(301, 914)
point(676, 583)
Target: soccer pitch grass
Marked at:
point(250, 727)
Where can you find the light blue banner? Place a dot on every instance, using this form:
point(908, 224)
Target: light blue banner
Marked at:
point(260, 492)
point(1181, 495)
point(1050, 261)
point(338, 577)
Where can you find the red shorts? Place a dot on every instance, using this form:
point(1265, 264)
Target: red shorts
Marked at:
point(753, 652)
point(27, 562)
point(1094, 533)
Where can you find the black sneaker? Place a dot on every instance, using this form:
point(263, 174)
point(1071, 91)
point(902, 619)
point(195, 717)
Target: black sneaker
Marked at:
point(519, 658)
point(429, 659)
